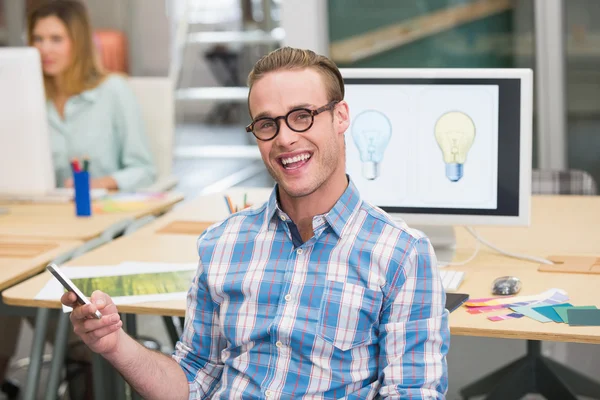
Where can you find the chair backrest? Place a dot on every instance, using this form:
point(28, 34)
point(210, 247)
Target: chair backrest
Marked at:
point(156, 99)
point(112, 49)
point(572, 181)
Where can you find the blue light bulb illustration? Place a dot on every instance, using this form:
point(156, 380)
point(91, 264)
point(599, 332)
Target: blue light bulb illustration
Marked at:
point(371, 131)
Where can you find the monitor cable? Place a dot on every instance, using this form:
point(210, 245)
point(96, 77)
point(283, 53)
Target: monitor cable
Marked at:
point(480, 240)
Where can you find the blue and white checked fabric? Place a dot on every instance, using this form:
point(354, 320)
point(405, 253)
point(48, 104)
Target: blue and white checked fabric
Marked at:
point(356, 312)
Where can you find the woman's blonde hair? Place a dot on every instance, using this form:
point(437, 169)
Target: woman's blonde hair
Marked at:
point(288, 58)
point(84, 72)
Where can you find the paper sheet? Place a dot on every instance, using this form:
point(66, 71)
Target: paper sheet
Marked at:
point(512, 300)
point(550, 312)
point(53, 290)
point(529, 311)
point(497, 318)
point(122, 202)
point(583, 317)
point(563, 312)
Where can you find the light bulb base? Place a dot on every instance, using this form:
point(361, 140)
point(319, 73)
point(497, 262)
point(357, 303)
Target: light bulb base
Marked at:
point(454, 172)
point(370, 170)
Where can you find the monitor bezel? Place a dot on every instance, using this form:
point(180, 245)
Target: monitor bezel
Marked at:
point(475, 217)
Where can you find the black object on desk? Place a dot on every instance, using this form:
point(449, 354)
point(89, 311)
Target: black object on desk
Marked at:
point(455, 300)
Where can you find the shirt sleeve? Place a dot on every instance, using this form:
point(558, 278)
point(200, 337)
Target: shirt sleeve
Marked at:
point(137, 165)
point(414, 334)
point(198, 351)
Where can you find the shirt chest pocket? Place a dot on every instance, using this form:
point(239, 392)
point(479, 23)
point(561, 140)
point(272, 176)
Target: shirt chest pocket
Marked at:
point(348, 314)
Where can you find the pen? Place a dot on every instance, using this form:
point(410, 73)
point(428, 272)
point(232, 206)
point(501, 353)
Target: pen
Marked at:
point(228, 204)
point(231, 207)
point(75, 165)
point(86, 164)
point(245, 198)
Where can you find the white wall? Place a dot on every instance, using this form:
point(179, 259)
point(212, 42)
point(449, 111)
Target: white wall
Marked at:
point(305, 23)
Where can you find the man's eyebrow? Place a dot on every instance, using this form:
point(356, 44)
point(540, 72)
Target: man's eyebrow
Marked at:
point(268, 114)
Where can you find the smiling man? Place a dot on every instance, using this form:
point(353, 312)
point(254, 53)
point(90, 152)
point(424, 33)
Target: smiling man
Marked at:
point(316, 294)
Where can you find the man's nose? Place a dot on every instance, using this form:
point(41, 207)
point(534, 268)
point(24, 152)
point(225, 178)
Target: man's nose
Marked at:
point(286, 135)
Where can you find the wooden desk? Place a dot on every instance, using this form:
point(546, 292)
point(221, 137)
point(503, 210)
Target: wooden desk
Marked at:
point(58, 221)
point(157, 248)
point(559, 225)
point(21, 258)
point(487, 266)
point(193, 216)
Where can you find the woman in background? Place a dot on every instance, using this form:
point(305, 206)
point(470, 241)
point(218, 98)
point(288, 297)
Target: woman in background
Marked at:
point(91, 114)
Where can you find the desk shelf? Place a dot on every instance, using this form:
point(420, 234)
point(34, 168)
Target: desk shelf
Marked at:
point(219, 94)
point(237, 37)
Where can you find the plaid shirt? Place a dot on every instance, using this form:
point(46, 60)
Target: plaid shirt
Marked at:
point(357, 311)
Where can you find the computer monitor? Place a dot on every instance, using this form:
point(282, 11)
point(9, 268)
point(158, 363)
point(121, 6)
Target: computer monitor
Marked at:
point(442, 147)
point(25, 154)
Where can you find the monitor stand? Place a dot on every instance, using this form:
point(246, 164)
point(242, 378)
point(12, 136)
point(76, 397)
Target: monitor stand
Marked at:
point(442, 239)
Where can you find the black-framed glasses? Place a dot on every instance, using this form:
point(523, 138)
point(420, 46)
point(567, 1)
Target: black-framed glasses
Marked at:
point(298, 120)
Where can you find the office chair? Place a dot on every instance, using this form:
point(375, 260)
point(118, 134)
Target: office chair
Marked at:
point(112, 50)
point(156, 100)
point(535, 373)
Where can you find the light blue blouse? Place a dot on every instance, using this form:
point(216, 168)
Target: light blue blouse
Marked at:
point(105, 125)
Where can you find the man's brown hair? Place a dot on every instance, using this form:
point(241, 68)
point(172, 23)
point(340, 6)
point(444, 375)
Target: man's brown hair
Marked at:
point(288, 58)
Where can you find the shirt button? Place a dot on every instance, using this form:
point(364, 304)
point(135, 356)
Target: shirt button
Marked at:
point(279, 344)
point(282, 217)
point(288, 297)
point(268, 393)
point(299, 251)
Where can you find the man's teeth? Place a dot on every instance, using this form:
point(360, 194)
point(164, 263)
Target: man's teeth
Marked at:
point(290, 160)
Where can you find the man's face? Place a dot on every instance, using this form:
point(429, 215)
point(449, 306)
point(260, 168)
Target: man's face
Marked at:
point(300, 162)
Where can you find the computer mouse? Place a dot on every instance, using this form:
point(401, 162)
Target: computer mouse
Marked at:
point(506, 285)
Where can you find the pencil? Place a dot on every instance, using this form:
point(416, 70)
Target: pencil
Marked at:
point(231, 207)
point(228, 204)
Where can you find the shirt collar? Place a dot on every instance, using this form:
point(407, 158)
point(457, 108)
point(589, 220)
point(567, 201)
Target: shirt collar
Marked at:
point(90, 95)
point(337, 217)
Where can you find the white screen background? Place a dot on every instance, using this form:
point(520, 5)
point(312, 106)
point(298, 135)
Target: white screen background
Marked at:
point(412, 173)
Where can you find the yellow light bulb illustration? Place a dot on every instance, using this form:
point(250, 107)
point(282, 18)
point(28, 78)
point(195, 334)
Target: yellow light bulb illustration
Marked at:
point(455, 133)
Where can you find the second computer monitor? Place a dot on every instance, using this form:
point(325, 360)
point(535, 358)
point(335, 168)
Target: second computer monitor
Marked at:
point(26, 166)
point(442, 146)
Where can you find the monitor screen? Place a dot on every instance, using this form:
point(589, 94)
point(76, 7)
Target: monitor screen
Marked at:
point(25, 148)
point(441, 146)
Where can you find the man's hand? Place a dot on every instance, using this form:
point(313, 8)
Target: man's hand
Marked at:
point(100, 335)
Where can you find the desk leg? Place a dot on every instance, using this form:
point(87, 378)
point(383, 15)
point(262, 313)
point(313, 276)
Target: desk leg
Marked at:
point(37, 350)
point(533, 373)
point(171, 329)
point(584, 385)
point(98, 371)
point(58, 356)
point(120, 387)
point(129, 320)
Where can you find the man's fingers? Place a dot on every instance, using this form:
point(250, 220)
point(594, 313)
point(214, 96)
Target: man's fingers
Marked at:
point(69, 299)
point(98, 334)
point(83, 312)
point(91, 325)
point(100, 299)
point(109, 309)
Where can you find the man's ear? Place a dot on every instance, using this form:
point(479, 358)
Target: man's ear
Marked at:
point(341, 118)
